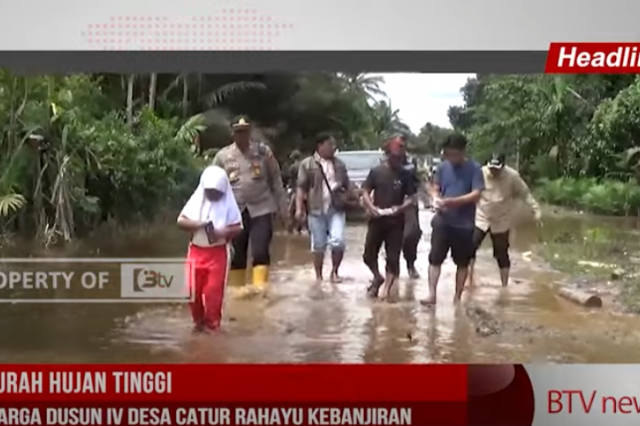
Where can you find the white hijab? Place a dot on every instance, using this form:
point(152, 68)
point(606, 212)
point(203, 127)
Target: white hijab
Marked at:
point(221, 213)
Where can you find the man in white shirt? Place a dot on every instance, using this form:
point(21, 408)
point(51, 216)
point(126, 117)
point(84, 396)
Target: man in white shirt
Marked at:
point(503, 187)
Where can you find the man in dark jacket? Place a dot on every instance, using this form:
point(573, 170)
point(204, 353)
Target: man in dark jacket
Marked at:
point(412, 231)
point(388, 192)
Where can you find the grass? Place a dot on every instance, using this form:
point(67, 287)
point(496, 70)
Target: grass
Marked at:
point(605, 197)
point(607, 248)
point(595, 255)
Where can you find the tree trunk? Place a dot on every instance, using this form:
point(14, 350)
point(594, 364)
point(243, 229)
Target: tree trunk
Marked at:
point(185, 95)
point(581, 298)
point(199, 95)
point(153, 84)
point(130, 82)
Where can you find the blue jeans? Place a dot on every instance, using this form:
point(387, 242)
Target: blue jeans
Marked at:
point(327, 229)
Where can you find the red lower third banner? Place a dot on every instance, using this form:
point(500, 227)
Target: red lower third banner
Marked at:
point(593, 58)
point(265, 395)
point(254, 414)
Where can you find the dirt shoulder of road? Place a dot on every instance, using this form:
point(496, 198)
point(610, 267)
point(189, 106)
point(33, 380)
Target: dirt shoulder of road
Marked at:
point(597, 261)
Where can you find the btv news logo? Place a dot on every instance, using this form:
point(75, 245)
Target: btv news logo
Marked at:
point(156, 280)
point(587, 402)
point(144, 278)
point(570, 401)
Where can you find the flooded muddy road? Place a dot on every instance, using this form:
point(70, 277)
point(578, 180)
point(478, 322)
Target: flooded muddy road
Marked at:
point(301, 322)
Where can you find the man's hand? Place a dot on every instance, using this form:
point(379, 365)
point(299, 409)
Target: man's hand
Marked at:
point(284, 218)
point(538, 220)
point(300, 215)
point(373, 212)
point(437, 203)
point(447, 203)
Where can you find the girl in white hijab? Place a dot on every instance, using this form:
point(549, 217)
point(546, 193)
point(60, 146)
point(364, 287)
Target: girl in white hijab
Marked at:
point(213, 218)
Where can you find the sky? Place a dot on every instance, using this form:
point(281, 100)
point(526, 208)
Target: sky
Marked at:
point(422, 98)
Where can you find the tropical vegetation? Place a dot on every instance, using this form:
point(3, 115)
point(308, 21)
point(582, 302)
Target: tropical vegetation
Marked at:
point(577, 137)
point(83, 150)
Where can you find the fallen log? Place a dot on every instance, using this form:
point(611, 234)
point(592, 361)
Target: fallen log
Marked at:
point(580, 297)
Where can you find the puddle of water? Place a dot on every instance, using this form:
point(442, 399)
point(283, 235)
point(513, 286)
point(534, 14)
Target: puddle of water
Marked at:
point(301, 322)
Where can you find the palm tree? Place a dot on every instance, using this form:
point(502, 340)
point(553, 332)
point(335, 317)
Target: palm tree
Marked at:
point(367, 84)
point(211, 97)
point(387, 120)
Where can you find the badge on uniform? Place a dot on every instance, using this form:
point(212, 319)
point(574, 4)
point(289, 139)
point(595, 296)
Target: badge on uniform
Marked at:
point(257, 169)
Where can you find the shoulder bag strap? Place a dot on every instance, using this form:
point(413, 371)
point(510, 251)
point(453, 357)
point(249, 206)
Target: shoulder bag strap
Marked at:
point(324, 176)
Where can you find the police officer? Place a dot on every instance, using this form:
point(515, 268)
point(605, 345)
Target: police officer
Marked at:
point(256, 180)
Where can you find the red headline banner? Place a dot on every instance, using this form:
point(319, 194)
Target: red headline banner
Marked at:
point(265, 395)
point(240, 383)
point(593, 58)
point(329, 414)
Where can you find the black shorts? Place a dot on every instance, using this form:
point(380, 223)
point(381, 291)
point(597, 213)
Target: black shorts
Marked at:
point(500, 243)
point(445, 238)
point(387, 231)
point(500, 240)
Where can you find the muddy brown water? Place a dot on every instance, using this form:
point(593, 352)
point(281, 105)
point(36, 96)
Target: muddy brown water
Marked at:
point(303, 322)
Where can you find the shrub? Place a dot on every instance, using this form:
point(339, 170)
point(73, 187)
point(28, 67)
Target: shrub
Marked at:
point(609, 197)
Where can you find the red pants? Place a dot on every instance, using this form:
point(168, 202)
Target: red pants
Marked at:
point(207, 280)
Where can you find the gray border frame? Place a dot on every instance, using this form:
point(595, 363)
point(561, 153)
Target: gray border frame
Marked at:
point(503, 62)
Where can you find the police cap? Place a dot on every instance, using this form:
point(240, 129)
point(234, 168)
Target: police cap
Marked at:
point(241, 122)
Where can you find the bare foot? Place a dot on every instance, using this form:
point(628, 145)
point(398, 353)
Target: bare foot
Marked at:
point(387, 296)
point(429, 301)
point(319, 280)
point(413, 274)
point(384, 292)
point(374, 288)
point(335, 279)
point(457, 298)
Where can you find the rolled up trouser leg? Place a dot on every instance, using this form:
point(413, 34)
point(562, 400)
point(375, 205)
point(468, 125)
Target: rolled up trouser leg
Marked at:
point(411, 236)
point(336, 222)
point(373, 243)
point(501, 249)
point(478, 237)
point(393, 244)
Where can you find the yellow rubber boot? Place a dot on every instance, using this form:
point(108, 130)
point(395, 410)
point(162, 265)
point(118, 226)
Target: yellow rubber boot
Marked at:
point(260, 277)
point(236, 282)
